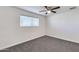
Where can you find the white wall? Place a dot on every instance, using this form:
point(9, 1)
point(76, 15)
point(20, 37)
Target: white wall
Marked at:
point(64, 26)
point(10, 31)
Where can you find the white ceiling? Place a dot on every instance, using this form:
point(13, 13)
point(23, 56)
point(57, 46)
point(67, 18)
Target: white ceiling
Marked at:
point(36, 9)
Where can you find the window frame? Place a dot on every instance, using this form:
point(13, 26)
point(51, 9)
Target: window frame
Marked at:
point(32, 20)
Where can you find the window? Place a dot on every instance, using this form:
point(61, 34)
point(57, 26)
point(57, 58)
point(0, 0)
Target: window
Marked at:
point(26, 21)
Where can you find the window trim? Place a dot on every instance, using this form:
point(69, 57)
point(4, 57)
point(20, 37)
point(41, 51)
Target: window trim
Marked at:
point(32, 20)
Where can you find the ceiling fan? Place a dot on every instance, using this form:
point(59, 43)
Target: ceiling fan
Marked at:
point(49, 9)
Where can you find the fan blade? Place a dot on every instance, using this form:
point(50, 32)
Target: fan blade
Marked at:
point(46, 7)
point(53, 11)
point(43, 11)
point(56, 8)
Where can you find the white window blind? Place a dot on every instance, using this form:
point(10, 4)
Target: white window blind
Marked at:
point(26, 21)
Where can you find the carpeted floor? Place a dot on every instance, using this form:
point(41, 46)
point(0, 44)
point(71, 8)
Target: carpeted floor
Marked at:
point(45, 44)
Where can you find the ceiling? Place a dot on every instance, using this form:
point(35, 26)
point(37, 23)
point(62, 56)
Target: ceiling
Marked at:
point(36, 9)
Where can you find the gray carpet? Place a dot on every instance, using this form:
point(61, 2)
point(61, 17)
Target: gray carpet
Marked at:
point(45, 44)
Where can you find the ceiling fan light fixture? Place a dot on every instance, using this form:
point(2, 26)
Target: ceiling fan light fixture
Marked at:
point(48, 11)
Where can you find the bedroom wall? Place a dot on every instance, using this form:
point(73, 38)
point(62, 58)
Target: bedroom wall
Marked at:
point(64, 25)
point(10, 31)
